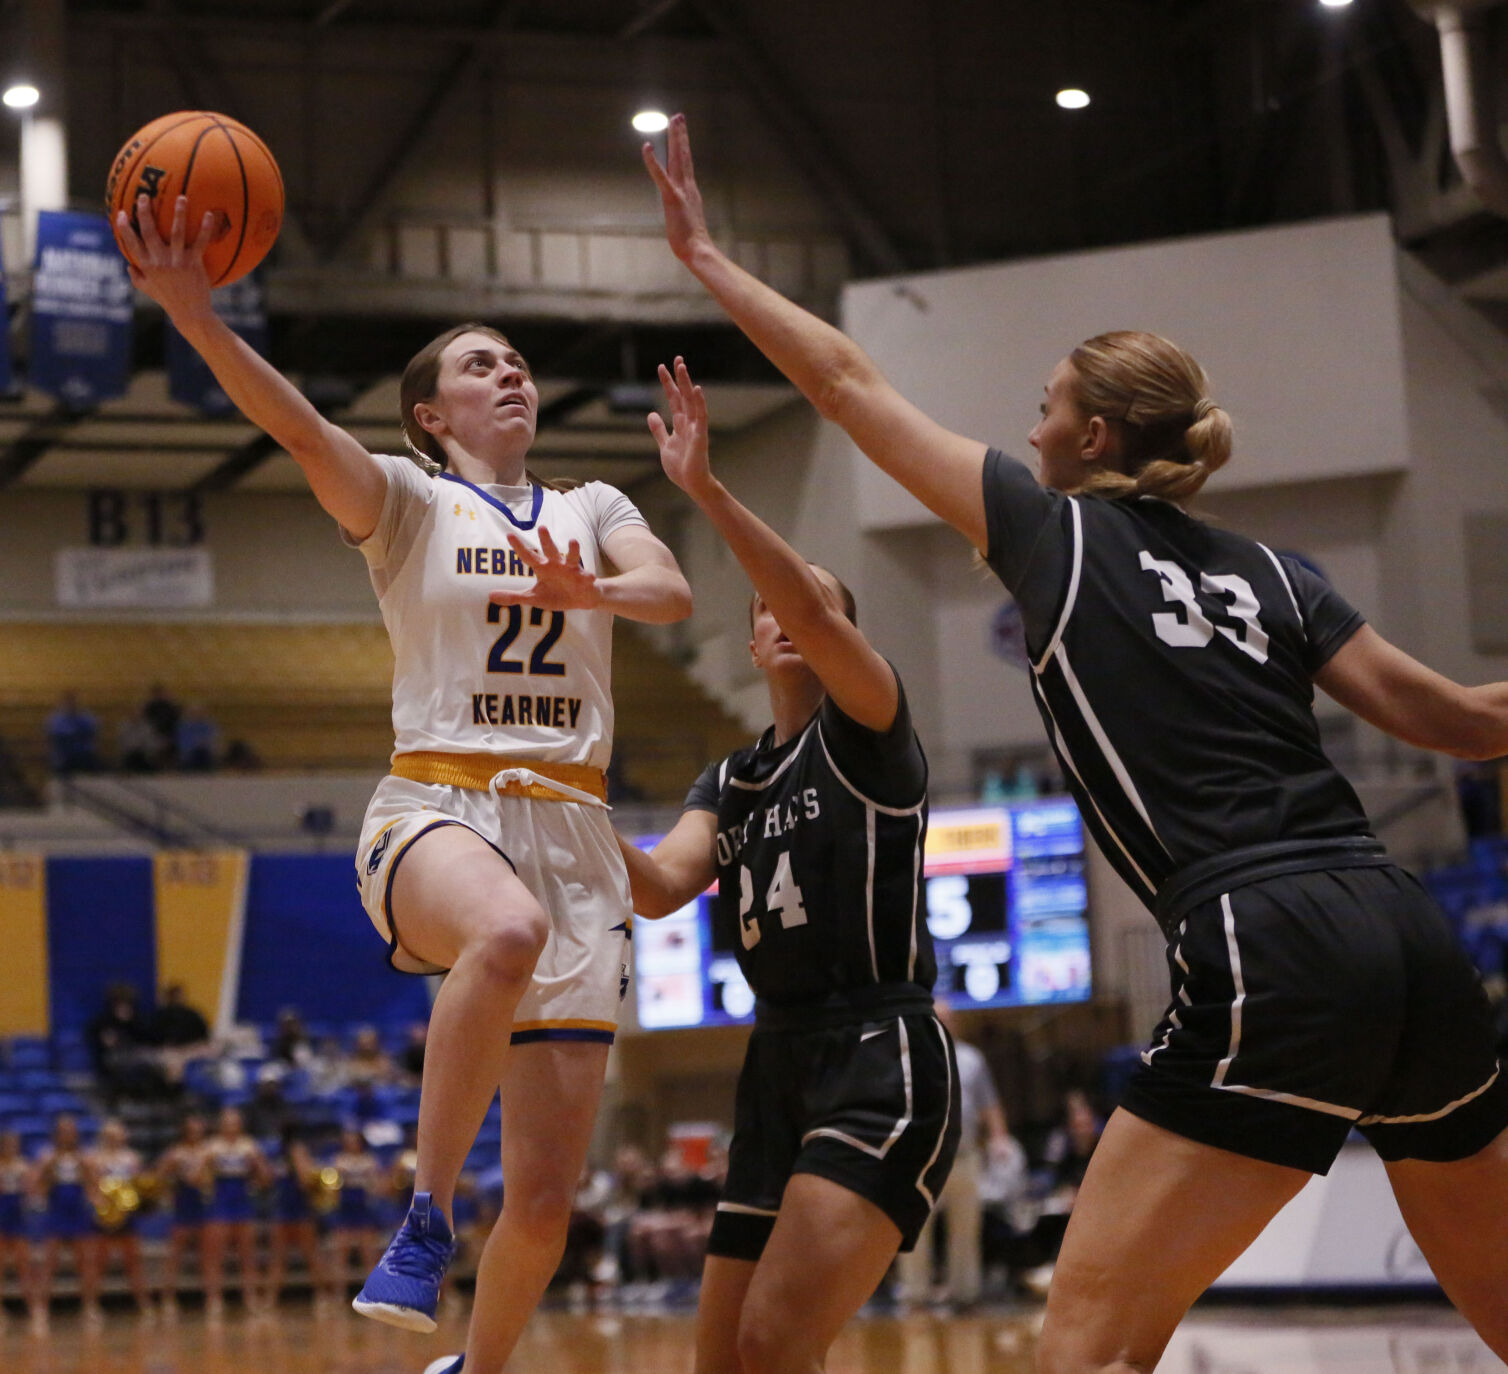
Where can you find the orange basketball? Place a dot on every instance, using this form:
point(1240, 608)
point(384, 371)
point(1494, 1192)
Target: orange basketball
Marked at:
point(222, 167)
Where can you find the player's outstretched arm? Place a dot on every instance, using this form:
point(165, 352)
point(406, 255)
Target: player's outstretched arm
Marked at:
point(853, 674)
point(344, 478)
point(941, 469)
point(1398, 694)
point(680, 867)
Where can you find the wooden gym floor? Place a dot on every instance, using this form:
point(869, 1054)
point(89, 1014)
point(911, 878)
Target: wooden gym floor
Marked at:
point(1214, 1340)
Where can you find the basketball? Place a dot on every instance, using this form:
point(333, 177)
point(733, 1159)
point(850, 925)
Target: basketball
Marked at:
point(222, 167)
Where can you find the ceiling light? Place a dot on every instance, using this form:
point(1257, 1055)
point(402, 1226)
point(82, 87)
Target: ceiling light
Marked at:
point(1335, 4)
point(651, 122)
point(1072, 98)
point(21, 96)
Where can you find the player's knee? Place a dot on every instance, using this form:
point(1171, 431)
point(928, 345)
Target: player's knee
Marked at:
point(541, 1215)
point(1062, 1350)
point(765, 1345)
point(506, 951)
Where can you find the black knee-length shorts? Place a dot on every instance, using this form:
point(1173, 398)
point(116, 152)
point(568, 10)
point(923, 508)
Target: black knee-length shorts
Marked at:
point(869, 1105)
point(1311, 1003)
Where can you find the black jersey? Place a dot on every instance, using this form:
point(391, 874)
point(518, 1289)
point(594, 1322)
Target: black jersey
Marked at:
point(1172, 663)
point(819, 858)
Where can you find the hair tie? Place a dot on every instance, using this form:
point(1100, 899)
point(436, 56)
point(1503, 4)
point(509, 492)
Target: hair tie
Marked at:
point(1202, 407)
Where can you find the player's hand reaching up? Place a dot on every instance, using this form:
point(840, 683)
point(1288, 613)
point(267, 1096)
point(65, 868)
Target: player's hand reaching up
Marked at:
point(561, 582)
point(172, 272)
point(685, 222)
point(683, 445)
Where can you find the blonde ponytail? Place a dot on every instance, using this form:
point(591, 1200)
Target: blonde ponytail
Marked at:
point(1173, 435)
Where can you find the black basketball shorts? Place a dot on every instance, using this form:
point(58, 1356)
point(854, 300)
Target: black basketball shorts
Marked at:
point(1308, 1004)
point(869, 1105)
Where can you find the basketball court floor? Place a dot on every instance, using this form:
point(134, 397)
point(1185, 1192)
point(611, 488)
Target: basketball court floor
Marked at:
point(1215, 1339)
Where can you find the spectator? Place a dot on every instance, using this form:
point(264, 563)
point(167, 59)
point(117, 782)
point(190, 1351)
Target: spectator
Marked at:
point(72, 738)
point(367, 1062)
point(175, 1024)
point(241, 757)
point(982, 1136)
point(118, 1038)
point(290, 1041)
point(196, 742)
point(1071, 1144)
point(411, 1056)
point(1066, 1154)
point(267, 1114)
point(161, 712)
point(138, 746)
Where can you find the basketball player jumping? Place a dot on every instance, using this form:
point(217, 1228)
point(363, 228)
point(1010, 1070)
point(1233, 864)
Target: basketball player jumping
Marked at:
point(487, 851)
point(1315, 986)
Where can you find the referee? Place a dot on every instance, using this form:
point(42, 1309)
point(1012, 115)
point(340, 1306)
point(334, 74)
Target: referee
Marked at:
point(1316, 988)
point(846, 1119)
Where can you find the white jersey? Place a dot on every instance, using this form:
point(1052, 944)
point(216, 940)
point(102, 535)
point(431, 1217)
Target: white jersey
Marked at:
point(473, 677)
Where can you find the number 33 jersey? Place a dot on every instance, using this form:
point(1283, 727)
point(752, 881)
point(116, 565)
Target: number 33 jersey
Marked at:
point(819, 858)
point(473, 677)
point(1172, 663)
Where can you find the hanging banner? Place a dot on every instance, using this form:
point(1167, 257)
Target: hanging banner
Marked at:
point(133, 578)
point(80, 310)
point(242, 305)
point(23, 936)
point(5, 375)
point(201, 914)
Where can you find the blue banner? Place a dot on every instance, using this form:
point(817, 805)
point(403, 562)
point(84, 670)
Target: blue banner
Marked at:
point(243, 307)
point(5, 375)
point(80, 310)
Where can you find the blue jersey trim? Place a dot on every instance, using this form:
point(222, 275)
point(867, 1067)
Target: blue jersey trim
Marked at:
point(539, 500)
point(530, 1037)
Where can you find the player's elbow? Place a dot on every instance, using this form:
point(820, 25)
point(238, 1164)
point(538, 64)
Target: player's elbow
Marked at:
point(846, 377)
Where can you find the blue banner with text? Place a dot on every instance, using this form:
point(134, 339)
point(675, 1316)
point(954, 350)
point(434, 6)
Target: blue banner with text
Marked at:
point(81, 311)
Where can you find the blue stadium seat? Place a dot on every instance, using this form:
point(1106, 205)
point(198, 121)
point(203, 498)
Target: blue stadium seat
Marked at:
point(40, 1081)
point(54, 1103)
point(29, 1052)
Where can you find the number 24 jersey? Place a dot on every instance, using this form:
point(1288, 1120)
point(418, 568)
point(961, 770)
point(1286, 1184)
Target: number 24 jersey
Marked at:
point(819, 858)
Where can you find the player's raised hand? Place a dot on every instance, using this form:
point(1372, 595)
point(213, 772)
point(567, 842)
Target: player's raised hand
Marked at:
point(683, 445)
point(561, 582)
point(685, 222)
point(172, 272)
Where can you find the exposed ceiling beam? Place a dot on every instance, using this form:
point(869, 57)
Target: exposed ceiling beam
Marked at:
point(783, 109)
point(456, 72)
point(252, 454)
point(558, 411)
point(206, 86)
point(28, 449)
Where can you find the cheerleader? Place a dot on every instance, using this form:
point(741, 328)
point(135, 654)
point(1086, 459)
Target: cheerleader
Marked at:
point(116, 1168)
point(183, 1168)
point(294, 1175)
point(65, 1178)
point(15, 1249)
point(237, 1168)
point(354, 1225)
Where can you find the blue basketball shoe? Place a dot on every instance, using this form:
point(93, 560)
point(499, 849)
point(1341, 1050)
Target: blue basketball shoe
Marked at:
point(446, 1364)
point(404, 1289)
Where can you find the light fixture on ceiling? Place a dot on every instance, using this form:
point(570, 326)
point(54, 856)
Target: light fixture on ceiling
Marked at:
point(651, 121)
point(1072, 98)
point(1335, 4)
point(21, 95)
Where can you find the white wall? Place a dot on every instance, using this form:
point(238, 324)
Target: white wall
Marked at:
point(275, 557)
point(1298, 328)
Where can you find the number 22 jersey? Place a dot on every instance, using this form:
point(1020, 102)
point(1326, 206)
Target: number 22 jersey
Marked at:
point(819, 858)
point(473, 677)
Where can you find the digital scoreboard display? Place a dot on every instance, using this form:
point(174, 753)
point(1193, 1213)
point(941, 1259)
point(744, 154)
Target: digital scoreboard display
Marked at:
point(1006, 905)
